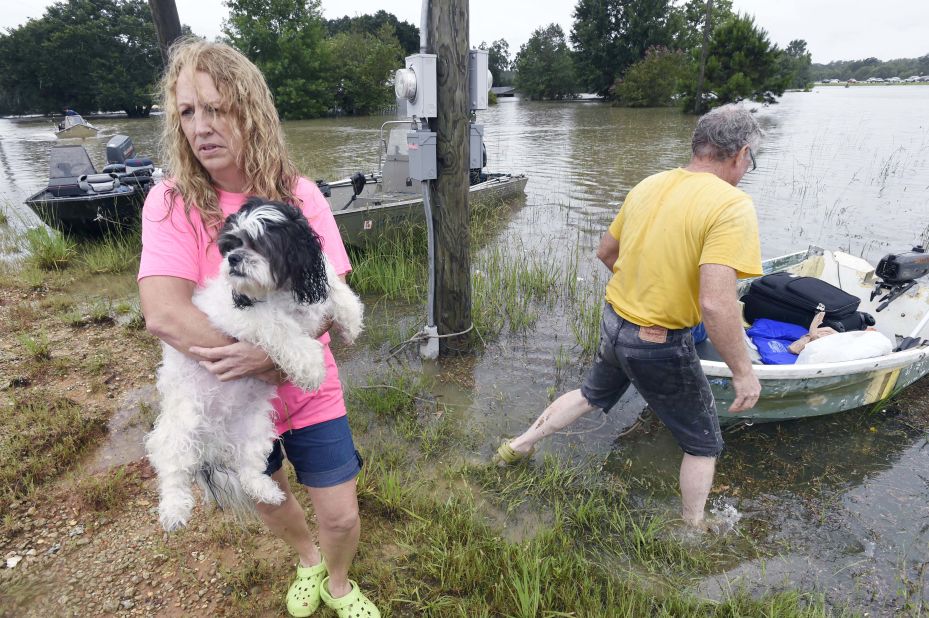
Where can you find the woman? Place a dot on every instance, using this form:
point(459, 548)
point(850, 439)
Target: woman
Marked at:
point(223, 141)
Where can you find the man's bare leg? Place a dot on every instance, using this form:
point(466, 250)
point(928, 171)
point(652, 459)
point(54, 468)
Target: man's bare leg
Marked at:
point(561, 413)
point(696, 481)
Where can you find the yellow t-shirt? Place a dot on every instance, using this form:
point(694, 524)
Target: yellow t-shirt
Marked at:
point(669, 225)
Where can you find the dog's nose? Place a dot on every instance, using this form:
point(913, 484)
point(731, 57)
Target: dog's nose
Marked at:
point(234, 259)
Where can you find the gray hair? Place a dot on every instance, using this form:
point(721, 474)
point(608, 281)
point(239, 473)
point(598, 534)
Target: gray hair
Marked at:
point(722, 132)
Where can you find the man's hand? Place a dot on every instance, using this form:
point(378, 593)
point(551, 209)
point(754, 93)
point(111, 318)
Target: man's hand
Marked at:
point(747, 389)
point(236, 360)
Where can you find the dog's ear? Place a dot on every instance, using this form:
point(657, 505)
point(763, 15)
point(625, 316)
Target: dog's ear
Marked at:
point(301, 259)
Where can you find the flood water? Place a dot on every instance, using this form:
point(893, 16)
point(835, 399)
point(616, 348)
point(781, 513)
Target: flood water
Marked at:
point(841, 502)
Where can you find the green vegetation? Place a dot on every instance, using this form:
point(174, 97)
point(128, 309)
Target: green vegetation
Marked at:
point(653, 81)
point(89, 55)
point(407, 34)
point(609, 36)
point(363, 63)
point(544, 66)
point(313, 66)
point(499, 62)
point(108, 491)
point(741, 64)
point(41, 437)
point(870, 67)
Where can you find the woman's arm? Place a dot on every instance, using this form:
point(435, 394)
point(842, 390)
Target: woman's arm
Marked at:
point(171, 316)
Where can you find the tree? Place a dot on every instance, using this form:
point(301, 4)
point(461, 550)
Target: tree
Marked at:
point(690, 18)
point(365, 64)
point(796, 64)
point(406, 33)
point(284, 38)
point(544, 66)
point(654, 80)
point(89, 54)
point(498, 59)
point(610, 35)
point(741, 64)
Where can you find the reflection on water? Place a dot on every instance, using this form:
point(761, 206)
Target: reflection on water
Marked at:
point(842, 168)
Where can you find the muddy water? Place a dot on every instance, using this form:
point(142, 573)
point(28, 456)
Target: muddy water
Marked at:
point(841, 501)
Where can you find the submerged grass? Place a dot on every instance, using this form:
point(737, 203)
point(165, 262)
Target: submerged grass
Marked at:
point(602, 552)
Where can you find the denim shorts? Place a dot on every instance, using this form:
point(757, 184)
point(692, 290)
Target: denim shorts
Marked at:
point(666, 374)
point(323, 455)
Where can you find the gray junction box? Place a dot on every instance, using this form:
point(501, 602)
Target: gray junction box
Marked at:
point(421, 146)
point(476, 149)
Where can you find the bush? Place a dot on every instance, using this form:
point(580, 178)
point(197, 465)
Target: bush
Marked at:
point(653, 81)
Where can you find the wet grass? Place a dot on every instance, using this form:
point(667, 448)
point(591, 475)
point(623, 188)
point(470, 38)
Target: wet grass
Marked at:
point(108, 491)
point(601, 551)
point(41, 437)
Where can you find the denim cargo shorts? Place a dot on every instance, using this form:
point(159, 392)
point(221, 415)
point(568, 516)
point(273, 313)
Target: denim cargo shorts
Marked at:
point(666, 373)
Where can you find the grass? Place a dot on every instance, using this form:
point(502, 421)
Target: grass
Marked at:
point(50, 250)
point(108, 491)
point(117, 252)
point(45, 437)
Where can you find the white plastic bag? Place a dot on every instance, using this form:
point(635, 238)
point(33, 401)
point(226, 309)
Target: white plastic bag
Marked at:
point(839, 347)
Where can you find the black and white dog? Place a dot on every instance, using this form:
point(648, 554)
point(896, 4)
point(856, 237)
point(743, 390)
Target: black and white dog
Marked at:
point(276, 290)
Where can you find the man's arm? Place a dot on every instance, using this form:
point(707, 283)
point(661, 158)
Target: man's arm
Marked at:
point(608, 251)
point(723, 320)
point(171, 316)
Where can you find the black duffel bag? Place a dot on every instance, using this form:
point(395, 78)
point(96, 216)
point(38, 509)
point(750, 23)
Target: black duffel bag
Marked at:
point(787, 298)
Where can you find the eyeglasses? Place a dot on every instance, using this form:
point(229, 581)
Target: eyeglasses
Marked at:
point(752, 157)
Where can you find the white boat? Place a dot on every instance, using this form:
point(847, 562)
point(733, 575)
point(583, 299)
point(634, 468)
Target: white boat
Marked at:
point(801, 391)
point(74, 125)
point(368, 206)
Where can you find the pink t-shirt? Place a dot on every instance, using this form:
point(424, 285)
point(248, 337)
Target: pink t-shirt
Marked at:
point(172, 247)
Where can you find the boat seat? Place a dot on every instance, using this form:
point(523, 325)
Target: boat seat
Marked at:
point(707, 352)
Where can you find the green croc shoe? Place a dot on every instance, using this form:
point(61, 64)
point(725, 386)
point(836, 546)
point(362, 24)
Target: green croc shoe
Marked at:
point(303, 596)
point(506, 456)
point(352, 605)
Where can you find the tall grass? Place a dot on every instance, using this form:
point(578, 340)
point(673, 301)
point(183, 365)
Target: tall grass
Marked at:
point(49, 249)
point(116, 252)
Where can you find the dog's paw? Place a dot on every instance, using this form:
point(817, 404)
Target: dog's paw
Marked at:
point(312, 378)
point(263, 489)
point(173, 518)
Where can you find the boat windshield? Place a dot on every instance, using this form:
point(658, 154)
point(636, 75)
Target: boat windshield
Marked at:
point(73, 120)
point(69, 162)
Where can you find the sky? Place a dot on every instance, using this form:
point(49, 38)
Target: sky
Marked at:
point(833, 29)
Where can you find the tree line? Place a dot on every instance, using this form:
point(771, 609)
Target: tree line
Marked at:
point(647, 53)
point(93, 55)
point(861, 70)
point(103, 55)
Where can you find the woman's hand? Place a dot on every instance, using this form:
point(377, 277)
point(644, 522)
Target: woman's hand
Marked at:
point(237, 360)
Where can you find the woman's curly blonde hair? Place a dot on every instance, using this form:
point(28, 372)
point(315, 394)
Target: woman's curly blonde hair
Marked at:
point(252, 116)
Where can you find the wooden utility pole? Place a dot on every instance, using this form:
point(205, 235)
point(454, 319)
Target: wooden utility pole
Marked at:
point(698, 105)
point(167, 24)
point(447, 32)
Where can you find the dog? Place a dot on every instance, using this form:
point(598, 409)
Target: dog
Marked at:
point(276, 290)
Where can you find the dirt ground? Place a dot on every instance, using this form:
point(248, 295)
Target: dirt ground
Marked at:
point(65, 557)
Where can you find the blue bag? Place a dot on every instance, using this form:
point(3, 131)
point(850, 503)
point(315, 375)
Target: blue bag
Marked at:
point(772, 339)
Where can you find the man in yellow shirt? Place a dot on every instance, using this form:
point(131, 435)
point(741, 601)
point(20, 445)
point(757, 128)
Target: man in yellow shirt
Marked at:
point(680, 241)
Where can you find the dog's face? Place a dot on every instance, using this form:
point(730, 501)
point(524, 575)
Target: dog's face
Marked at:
point(268, 246)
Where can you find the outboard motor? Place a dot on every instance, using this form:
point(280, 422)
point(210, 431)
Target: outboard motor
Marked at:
point(119, 148)
point(898, 273)
point(122, 161)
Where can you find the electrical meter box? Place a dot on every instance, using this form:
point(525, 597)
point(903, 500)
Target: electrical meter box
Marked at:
point(479, 78)
point(421, 148)
point(422, 103)
point(476, 147)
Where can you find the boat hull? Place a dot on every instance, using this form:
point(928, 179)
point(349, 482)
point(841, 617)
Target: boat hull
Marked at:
point(89, 215)
point(374, 217)
point(807, 390)
point(78, 131)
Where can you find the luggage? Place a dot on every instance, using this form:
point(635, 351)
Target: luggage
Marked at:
point(787, 298)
